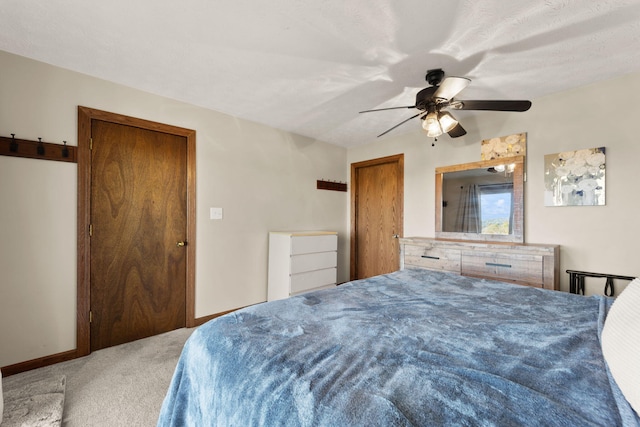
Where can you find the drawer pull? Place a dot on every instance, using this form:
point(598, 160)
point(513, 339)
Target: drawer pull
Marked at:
point(430, 257)
point(495, 264)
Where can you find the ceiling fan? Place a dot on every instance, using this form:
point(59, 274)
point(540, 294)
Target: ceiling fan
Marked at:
point(434, 101)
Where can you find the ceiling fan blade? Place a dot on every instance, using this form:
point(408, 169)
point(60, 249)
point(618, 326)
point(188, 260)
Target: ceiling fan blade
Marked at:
point(457, 131)
point(491, 105)
point(450, 87)
point(402, 122)
point(390, 108)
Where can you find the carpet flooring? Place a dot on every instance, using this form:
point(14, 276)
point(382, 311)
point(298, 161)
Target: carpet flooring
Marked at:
point(34, 404)
point(118, 386)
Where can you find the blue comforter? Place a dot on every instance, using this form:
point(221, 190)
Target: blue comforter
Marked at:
point(411, 348)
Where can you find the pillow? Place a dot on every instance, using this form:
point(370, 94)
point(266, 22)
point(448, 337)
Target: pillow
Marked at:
point(621, 342)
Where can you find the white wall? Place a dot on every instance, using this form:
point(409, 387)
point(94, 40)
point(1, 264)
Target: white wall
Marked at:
point(264, 179)
point(600, 239)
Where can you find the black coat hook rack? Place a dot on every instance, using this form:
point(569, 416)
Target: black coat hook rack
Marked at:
point(11, 146)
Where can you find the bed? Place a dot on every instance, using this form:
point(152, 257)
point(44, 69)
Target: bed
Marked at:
point(410, 348)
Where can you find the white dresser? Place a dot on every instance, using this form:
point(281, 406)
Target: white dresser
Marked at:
point(301, 261)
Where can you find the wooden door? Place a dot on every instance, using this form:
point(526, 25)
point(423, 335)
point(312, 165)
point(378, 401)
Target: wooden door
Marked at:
point(138, 216)
point(377, 188)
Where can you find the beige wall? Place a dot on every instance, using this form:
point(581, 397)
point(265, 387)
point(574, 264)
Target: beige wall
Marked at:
point(264, 179)
point(596, 238)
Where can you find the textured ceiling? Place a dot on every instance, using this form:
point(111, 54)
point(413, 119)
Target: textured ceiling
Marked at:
point(309, 66)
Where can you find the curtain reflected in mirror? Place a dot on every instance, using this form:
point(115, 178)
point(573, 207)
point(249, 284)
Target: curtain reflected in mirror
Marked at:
point(468, 217)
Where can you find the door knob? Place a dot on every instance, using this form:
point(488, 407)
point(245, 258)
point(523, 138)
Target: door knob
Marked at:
point(181, 244)
point(396, 236)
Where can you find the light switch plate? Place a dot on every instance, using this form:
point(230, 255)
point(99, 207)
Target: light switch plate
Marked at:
point(215, 213)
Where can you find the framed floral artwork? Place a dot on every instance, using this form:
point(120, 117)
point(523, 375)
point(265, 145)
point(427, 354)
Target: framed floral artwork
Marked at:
point(504, 146)
point(575, 178)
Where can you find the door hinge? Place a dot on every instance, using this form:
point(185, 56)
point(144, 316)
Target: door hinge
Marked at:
point(90, 143)
point(90, 230)
point(90, 316)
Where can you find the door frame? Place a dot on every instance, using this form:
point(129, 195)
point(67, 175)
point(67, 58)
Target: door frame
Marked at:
point(399, 160)
point(85, 116)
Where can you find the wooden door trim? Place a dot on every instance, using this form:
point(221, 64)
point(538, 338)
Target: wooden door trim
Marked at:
point(397, 158)
point(85, 115)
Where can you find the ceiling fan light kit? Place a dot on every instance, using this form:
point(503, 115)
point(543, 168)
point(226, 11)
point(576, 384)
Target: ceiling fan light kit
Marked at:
point(432, 125)
point(438, 123)
point(432, 103)
point(447, 121)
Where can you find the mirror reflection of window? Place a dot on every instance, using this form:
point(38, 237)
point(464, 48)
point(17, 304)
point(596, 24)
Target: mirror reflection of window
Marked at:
point(497, 215)
point(496, 208)
point(478, 201)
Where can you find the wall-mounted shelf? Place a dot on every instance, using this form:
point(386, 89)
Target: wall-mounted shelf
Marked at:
point(331, 185)
point(15, 147)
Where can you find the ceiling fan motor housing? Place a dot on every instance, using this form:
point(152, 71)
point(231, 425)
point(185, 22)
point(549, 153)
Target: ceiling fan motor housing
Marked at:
point(425, 97)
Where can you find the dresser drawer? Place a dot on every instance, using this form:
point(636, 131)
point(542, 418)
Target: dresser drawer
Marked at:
point(525, 269)
point(312, 244)
point(314, 279)
point(432, 258)
point(315, 261)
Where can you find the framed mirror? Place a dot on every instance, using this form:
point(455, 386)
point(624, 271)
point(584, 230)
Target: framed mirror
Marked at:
point(481, 201)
